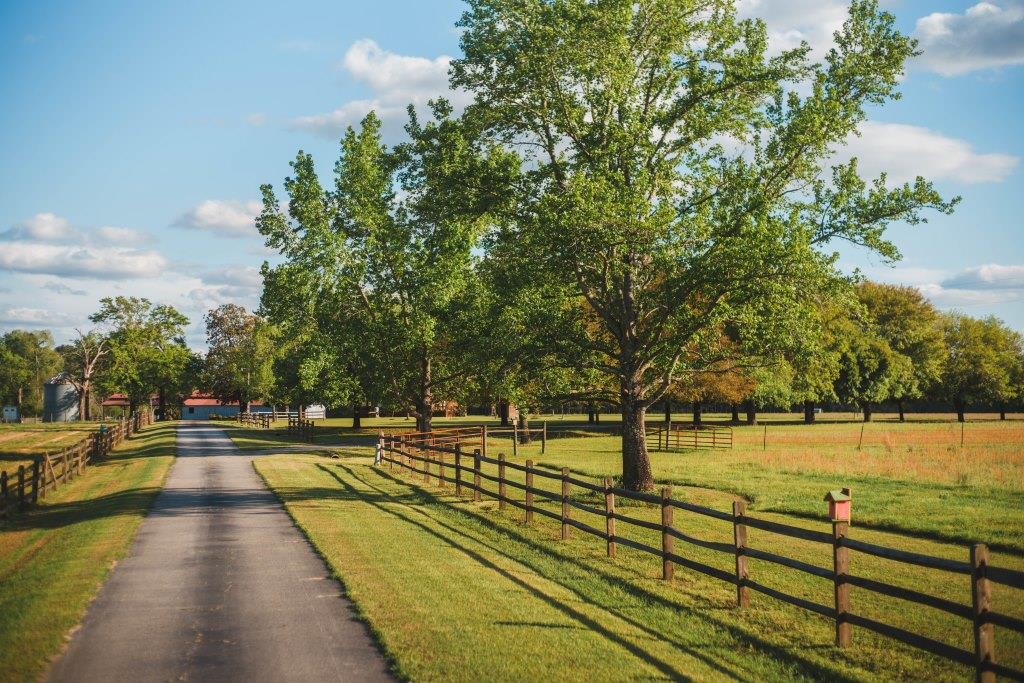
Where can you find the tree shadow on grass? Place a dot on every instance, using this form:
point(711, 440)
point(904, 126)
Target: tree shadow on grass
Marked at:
point(580, 585)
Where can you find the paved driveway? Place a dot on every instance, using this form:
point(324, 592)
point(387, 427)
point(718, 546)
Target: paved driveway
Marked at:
point(219, 585)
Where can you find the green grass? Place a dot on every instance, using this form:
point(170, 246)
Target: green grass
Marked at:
point(19, 443)
point(459, 590)
point(54, 558)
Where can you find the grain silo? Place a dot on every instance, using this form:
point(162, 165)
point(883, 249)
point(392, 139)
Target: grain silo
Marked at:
point(60, 400)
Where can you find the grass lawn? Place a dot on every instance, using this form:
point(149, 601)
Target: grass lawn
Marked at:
point(462, 591)
point(54, 558)
point(19, 443)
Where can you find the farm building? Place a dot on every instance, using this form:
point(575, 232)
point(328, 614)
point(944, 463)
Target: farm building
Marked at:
point(201, 406)
point(121, 401)
point(60, 399)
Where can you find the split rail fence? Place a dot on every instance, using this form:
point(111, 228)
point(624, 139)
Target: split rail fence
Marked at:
point(456, 457)
point(27, 486)
point(255, 419)
point(673, 437)
point(300, 429)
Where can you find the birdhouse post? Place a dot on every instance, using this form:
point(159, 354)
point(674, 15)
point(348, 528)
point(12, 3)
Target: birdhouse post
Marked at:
point(839, 505)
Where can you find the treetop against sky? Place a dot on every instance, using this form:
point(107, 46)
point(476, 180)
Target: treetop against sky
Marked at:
point(136, 138)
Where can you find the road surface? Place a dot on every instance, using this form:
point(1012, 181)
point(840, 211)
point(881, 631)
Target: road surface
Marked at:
point(219, 585)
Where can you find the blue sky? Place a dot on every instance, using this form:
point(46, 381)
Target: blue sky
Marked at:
point(135, 137)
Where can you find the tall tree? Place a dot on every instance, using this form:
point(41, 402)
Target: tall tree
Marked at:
point(393, 246)
point(239, 363)
point(147, 351)
point(635, 205)
point(984, 359)
point(911, 327)
point(82, 361)
point(27, 360)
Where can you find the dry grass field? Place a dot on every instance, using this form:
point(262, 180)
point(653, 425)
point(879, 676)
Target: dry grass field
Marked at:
point(19, 443)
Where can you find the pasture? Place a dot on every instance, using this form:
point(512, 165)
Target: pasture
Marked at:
point(19, 443)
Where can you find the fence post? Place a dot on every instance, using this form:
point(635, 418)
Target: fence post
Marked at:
point(440, 469)
point(565, 503)
point(35, 479)
point(21, 487)
point(4, 501)
point(476, 475)
point(667, 540)
point(458, 469)
point(529, 491)
point(544, 437)
point(483, 440)
point(981, 601)
point(427, 457)
point(501, 481)
point(609, 515)
point(840, 569)
point(739, 536)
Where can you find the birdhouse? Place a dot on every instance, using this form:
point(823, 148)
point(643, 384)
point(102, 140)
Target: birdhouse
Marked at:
point(839, 505)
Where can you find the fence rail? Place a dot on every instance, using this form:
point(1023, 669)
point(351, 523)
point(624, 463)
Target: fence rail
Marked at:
point(300, 429)
point(677, 437)
point(255, 419)
point(443, 456)
point(28, 485)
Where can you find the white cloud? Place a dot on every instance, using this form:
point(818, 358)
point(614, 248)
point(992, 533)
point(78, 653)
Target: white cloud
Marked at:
point(43, 227)
point(791, 21)
point(81, 261)
point(226, 217)
point(61, 288)
point(35, 317)
point(237, 276)
point(985, 36)
point(110, 234)
point(394, 80)
point(986, 285)
point(988, 277)
point(256, 119)
point(906, 151)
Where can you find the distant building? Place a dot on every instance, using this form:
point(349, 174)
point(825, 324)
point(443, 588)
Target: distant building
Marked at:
point(60, 399)
point(121, 401)
point(201, 406)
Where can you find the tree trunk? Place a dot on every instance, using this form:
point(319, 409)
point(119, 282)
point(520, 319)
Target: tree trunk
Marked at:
point(668, 410)
point(959, 405)
point(163, 405)
point(357, 416)
point(899, 406)
point(590, 414)
point(636, 463)
point(697, 415)
point(524, 426)
point(424, 403)
point(503, 412)
point(809, 412)
point(81, 405)
point(243, 406)
point(87, 392)
point(866, 407)
point(735, 413)
point(751, 413)
point(1002, 412)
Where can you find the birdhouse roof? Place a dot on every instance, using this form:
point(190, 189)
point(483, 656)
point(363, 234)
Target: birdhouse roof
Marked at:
point(836, 496)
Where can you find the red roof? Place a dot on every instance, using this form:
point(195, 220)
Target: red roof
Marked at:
point(121, 401)
point(200, 399)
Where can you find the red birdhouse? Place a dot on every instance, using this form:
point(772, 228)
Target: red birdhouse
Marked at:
point(839, 505)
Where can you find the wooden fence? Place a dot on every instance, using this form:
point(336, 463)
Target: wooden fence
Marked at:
point(676, 437)
point(27, 486)
point(428, 454)
point(255, 419)
point(300, 429)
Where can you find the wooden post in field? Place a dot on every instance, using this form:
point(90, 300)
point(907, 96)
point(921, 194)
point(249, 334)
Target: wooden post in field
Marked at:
point(667, 540)
point(739, 536)
point(515, 440)
point(609, 515)
point(483, 440)
point(961, 435)
point(529, 491)
point(764, 446)
point(840, 569)
point(4, 499)
point(21, 488)
point(427, 457)
point(544, 437)
point(458, 469)
point(565, 503)
point(501, 481)
point(981, 601)
point(64, 473)
point(476, 475)
point(36, 469)
point(440, 469)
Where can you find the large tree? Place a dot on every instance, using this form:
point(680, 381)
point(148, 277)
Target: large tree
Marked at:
point(390, 250)
point(678, 176)
point(240, 360)
point(83, 358)
point(27, 360)
point(984, 365)
point(147, 350)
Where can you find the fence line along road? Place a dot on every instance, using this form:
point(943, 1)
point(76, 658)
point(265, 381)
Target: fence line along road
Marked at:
point(440, 455)
point(675, 437)
point(24, 488)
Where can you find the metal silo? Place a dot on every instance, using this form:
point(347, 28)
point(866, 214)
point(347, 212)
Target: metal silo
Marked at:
point(60, 400)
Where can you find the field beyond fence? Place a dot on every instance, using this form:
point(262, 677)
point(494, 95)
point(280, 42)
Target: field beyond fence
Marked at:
point(457, 457)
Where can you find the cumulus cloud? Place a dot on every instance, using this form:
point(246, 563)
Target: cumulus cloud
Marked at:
point(81, 261)
point(986, 285)
point(988, 277)
point(791, 21)
point(43, 227)
point(986, 35)
point(237, 276)
point(906, 151)
point(227, 217)
point(35, 317)
point(110, 234)
point(256, 119)
point(394, 80)
point(61, 288)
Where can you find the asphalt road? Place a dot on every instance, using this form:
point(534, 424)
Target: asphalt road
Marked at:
point(219, 585)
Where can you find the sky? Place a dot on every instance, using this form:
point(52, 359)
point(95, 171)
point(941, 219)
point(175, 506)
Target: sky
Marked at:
point(135, 137)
